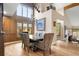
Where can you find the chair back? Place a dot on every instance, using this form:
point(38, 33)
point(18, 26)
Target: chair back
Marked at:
point(48, 38)
point(39, 35)
point(25, 38)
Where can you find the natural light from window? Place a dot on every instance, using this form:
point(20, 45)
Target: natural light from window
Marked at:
point(19, 10)
point(29, 12)
point(24, 11)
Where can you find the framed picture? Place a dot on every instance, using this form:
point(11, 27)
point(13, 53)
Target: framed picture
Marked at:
point(40, 24)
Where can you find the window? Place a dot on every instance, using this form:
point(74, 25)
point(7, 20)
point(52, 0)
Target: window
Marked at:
point(19, 28)
point(19, 10)
point(30, 25)
point(25, 27)
point(24, 11)
point(19, 25)
point(29, 12)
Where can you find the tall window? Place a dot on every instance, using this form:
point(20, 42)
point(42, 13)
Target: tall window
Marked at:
point(30, 12)
point(25, 27)
point(19, 10)
point(24, 11)
point(19, 28)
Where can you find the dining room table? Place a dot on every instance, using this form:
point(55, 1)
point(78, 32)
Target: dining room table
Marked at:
point(34, 40)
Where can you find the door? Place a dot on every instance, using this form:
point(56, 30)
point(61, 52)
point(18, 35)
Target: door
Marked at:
point(1, 33)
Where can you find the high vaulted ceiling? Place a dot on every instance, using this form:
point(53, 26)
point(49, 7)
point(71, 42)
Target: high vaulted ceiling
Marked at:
point(61, 5)
point(73, 15)
point(10, 8)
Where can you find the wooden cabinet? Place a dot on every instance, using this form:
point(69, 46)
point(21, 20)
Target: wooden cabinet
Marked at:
point(10, 29)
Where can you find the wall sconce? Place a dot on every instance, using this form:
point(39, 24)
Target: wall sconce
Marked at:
point(54, 23)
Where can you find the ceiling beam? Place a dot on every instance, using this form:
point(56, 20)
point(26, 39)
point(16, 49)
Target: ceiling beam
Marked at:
point(71, 5)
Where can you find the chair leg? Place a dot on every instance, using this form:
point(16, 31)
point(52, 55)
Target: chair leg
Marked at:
point(50, 51)
point(22, 45)
point(44, 53)
point(28, 50)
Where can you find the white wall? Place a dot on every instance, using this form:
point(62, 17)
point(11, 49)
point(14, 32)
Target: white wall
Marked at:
point(48, 16)
point(60, 7)
point(49, 23)
point(60, 11)
point(73, 15)
point(67, 22)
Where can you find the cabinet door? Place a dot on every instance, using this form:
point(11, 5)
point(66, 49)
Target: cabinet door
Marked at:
point(1, 28)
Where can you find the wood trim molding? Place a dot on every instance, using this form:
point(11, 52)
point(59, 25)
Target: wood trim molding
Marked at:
point(71, 5)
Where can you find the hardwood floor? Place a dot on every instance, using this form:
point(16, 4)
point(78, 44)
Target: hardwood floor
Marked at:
point(60, 49)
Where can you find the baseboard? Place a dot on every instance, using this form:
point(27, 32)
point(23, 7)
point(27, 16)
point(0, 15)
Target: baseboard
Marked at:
point(13, 42)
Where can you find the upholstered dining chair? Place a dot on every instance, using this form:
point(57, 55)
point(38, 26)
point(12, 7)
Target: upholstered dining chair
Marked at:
point(25, 40)
point(45, 45)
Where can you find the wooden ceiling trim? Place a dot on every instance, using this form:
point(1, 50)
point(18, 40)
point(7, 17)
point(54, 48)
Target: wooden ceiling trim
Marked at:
point(71, 5)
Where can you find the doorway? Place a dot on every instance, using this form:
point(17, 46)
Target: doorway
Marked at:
point(60, 29)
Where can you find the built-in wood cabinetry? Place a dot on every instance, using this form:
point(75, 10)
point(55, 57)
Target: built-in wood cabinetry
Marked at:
point(10, 29)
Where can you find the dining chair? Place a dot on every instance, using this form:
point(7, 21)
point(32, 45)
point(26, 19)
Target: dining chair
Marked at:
point(25, 40)
point(45, 45)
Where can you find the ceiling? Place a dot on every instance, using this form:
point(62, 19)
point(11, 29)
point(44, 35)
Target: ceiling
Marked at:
point(61, 5)
point(10, 8)
point(73, 15)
